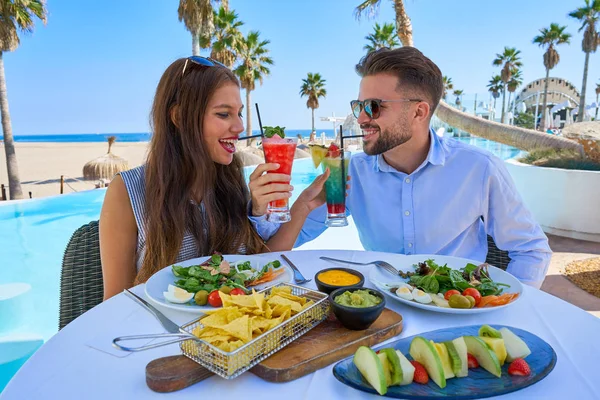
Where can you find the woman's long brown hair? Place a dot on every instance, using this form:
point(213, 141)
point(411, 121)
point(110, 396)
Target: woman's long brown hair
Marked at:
point(179, 167)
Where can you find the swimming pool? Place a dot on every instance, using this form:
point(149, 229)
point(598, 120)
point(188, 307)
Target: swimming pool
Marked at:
point(34, 234)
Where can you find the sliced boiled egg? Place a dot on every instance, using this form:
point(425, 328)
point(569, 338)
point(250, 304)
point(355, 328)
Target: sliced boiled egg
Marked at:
point(177, 295)
point(404, 293)
point(421, 297)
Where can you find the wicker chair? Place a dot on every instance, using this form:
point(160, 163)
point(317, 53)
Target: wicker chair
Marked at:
point(495, 256)
point(81, 286)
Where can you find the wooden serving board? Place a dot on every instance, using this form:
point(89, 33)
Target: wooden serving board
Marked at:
point(323, 345)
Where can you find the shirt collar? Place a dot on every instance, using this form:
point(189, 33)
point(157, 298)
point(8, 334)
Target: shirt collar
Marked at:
point(435, 156)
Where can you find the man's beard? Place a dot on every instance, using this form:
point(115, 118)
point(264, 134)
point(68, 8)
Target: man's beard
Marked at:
point(388, 139)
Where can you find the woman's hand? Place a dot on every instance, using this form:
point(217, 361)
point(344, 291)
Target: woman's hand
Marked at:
point(265, 188)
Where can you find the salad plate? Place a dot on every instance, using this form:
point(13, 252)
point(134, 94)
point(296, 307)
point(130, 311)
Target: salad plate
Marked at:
point(495, 281)
point(165, 279)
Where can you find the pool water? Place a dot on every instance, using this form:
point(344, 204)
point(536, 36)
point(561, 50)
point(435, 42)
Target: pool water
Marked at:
point(34, 234)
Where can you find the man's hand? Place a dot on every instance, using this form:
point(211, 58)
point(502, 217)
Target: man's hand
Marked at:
point(314, 195)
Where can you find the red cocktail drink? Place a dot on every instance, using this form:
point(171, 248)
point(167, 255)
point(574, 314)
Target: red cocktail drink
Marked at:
point(280, 151)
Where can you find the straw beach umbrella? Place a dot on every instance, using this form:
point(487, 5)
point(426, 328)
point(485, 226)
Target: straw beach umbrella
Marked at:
point(105, 167)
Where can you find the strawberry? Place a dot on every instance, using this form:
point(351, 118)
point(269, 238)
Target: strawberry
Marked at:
point(519, 367)
point(333, 151)
point(420, 373)
point(472, 361)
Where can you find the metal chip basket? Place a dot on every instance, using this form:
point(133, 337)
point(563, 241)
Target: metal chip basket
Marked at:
point(232, 364)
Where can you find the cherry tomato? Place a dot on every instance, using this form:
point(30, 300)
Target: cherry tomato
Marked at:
point(473, 293)
point(236, 292)
point(214, 299)
point(450, 293)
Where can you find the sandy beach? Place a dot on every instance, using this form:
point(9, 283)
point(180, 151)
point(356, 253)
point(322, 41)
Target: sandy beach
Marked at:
point(42, 164)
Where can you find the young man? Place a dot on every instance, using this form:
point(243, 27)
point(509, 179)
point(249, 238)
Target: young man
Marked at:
point(412, 192)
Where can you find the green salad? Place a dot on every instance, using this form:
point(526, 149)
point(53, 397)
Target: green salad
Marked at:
point(217, 272)
point(433, 278)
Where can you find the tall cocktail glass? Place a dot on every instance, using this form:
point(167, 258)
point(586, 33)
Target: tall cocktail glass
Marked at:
point(335, 186)
point(281, 151)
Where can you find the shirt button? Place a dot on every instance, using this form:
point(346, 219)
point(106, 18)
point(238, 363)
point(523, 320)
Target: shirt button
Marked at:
point(407, 180)
point(410, 245)
point(407, 213)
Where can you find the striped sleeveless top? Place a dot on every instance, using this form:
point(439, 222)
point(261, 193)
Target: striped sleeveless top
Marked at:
point(135, 184)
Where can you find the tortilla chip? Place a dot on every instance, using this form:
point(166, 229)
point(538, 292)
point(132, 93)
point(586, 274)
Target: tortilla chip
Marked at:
point(243, 318)
point(239, 328)
point(281, 309)
point(297, 299)
point(220, 317)
point(280, 289)
point(278, 300)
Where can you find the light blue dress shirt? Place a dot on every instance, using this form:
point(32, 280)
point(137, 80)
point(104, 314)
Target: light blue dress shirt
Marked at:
point(438, 209)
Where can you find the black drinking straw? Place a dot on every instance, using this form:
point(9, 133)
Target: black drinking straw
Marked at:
point(259, 121)
point(262, 134)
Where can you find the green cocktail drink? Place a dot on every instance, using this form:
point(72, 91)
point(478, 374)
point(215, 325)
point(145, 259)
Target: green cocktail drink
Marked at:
point(338, 163)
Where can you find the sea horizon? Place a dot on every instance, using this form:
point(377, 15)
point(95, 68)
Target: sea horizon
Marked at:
point(131, 137)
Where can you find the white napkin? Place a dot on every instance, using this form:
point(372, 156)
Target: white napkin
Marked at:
point(138, 322)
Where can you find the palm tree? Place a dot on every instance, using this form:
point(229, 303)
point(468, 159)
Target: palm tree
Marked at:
point(510, 61)
point(225, 37)
point(516, 80)
point(383, 36)
point(403, 24)
point(458, 94)
point(255, 61)
point(597, 104)
point(197, 16)
point(550, 37)
point(15, 15)
point(313, 87)
point(495, 87)
point(448, 85)
point(524, 139)
point(589, 15)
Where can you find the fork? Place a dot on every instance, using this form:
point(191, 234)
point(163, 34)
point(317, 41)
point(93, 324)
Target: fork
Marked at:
point(382, 264)
point(298, 277)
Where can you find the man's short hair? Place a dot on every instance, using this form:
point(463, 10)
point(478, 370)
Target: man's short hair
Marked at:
point(414, 71)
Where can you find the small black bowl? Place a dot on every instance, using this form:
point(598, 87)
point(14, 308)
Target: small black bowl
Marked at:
point(356, 318)
point(326, 288)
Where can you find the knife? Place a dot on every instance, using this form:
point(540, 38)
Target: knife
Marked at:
point(169, 325)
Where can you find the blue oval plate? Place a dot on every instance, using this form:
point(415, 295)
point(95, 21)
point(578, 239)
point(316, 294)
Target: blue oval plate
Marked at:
point(477, 385)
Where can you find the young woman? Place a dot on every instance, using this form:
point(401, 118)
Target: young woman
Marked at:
point(190, 198)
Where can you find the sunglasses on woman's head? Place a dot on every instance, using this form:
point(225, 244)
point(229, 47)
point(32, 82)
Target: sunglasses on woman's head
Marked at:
point(372, 107)
point(202, 61)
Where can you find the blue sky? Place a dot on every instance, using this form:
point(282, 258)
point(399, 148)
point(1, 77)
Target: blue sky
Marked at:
point(95, 65)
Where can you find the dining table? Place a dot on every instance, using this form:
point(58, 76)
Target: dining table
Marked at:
point(79, 362)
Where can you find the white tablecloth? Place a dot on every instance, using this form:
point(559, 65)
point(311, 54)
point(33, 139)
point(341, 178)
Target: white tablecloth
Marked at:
point(66, 367)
